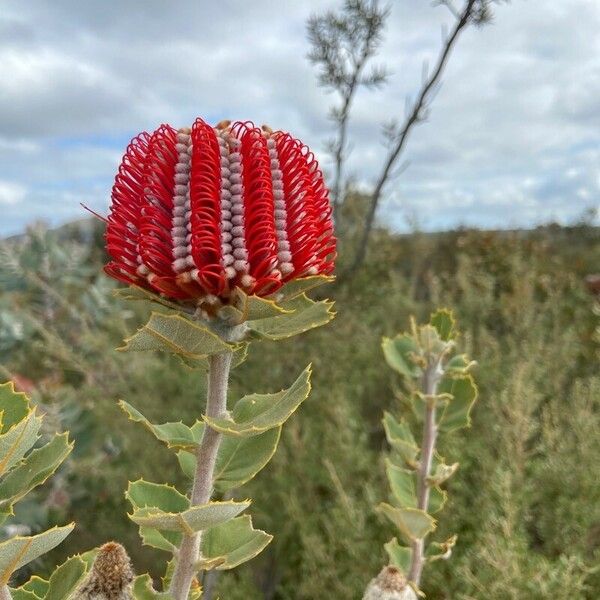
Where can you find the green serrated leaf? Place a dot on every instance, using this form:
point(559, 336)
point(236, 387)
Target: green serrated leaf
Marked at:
point(143, 589)
point(163, 496)
point(22, 594)
point(444, 323)
point(412, 522)
point(18, 440)
point(437, 499)
point(306, 315)
point(65, 579)
point(13, 405)
point(134, 292)
point(442, 473)
point(440, 551)
point(257, 413)
point(36, 585)
point(195, 518)
point(18, 551)
point(400, 437)
point(231, 544)
point(239, 459)
point(403, 485)
point(240, 354)
point(255, 308)
point(178, 335)
point(174, 435)
point(399, 352)
point(298, 287)
point(459, 365)
point(169, 541)
point(400, 556)
point(464, 394)
point(34, 470)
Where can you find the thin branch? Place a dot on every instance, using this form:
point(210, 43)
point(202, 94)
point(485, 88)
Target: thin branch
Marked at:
point(414, 116)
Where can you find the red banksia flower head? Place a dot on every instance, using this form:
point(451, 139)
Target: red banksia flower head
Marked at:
point(197, 212)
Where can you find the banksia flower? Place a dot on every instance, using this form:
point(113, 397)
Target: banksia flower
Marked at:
point(390, 584)
point(110, 577)
point(197, 212)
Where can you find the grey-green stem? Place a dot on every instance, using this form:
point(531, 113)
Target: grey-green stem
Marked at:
point(431, 379)
point(206, 456)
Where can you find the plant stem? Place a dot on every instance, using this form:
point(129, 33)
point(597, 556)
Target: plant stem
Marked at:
point(431, 378)
point(5, 593)
point(206, 456)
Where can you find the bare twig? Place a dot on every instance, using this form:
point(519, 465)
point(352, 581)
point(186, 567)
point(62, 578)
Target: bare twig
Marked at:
point(414, 116)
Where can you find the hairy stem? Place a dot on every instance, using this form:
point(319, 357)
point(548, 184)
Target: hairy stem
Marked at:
point(431, 378)
point(5, 593)
point(206, 456)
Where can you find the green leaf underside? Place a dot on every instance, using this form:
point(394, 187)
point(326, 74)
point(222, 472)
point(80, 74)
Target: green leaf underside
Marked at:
point(134, 292)
point(399, 436)
point(254, 308)
point(18, 551)
point(444, 323)
point(23, 594)
point(400, 556)
point(18, 440)
point(35, 469)
point(174, 435)
point(14, 406)
point(412, 523)
point(143, 494)
point(298, 287)
point(257, 413)
point(65, 579)
point(457, 412)
point(306, 315)
point(397, 352)
point(240, 354)
point(239, 459)
point(195, 518)
point(231, 544)
point(178, 335)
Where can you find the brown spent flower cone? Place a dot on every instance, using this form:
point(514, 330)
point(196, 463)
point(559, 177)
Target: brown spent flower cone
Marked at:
point(390, 584)
point(110, 576)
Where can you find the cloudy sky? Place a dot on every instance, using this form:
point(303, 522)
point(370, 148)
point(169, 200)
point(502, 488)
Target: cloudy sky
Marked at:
point(513, 138)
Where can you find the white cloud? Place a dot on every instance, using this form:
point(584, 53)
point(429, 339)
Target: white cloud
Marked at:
point(11, 193)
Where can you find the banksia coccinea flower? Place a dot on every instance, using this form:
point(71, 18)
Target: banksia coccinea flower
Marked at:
point(110, 576)
point(198, 212)
point(390, 584)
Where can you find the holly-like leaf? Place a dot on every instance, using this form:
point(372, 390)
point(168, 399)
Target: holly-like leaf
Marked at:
point(18, 551)
point(239, 459)
point(298, 287)
point(65, 579)
point(178, 335)
point(143, 589)
point(442, 473)
point(459, 365)
point(239, 352)
point(134, 292)
point(444, 323)
point(36, 585)
point(457, 412)
point(399, 353)
point(22, 594)
point(34, 470)
point(195, 518)
point(403, 485)
point(15, 443)
point(412, 522)
point(174, 435)
point(306, 314)
point(400, 437)
point(14, 406)
point(255, 308)
point(231, 544)
point(440, 551)
point(437, 499)
point(162, 496)
point(257, 413)
point(400, 556)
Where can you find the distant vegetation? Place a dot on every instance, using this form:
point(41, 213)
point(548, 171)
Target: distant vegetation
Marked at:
point(526, 505)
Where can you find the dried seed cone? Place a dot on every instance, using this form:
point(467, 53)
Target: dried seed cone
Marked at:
point(390, 584)
point(110, 577)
